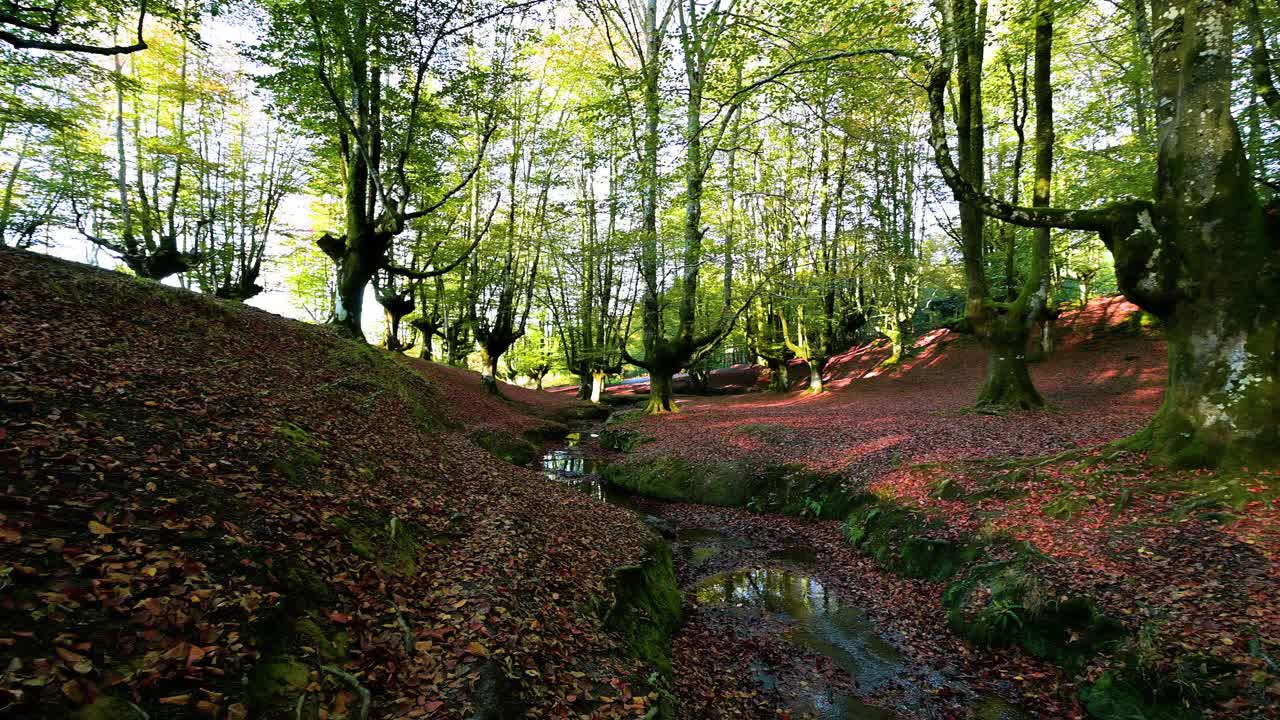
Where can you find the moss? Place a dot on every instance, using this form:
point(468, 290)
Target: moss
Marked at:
point(301, 586)
point(373, 375)
point(331, 645)
point(300, 455)
point(1112, 697)
point(506, 447)
point(381, 538)
point(276, 684)
point(622, 439)
point(785, 489)
point(646, 610)
point(1067, 505)
point(672, 478)
point(1006, 603)
point(579, 412)
point(945, 489)
point(898, 540)
point(109, 708)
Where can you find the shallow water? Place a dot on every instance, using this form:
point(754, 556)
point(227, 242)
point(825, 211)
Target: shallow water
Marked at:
point(569, 465)
point(815, 618)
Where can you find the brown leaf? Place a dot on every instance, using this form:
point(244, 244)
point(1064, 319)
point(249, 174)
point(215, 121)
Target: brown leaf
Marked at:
point(74, 691)
point(69, 656)
point(98, 528)
point(175, 700)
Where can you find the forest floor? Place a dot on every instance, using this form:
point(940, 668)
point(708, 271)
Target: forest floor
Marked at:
point(208, 511)
point(1188, 561)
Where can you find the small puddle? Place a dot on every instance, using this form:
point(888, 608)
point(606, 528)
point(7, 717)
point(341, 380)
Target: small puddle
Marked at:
point(817, 620)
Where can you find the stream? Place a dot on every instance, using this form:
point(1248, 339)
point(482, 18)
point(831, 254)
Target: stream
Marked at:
point(830, 661)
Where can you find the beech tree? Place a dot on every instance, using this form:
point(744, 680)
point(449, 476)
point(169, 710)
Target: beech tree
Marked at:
point(1201, 255)
point(339, 56)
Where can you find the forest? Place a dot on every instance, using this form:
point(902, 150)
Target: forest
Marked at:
point(494, 359)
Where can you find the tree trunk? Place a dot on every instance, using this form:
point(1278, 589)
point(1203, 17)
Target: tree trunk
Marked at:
point(779, 381)
point(1222, 404)
point(353, 278)
point(815, 375)
point(489, 370)
point(1008, 383)
point(584, 385)
point(661, 398)
point(597, 386)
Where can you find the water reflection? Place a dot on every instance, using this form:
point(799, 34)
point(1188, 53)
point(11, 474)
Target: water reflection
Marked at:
point(568, 465)
point(817, 620)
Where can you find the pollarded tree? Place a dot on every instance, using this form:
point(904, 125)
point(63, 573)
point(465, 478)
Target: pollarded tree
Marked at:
point(152, 220)
point(247, 164)
point(360, 74)
point(1202, 255)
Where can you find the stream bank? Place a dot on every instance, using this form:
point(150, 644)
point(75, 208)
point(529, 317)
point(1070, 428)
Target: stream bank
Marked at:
point(777, 623)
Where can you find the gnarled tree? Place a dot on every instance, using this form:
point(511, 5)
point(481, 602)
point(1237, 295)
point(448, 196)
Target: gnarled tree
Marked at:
point(1203, 255)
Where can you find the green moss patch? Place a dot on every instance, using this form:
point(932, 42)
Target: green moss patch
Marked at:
point(671, 478)
point(623, 439)
point(507, 448)
point(381, 538)
point(275, 685)
point(904, 541)
point(646, 609)
point(1007, 602)
point(785, 489)
point(109, 708)
point(378, 376)
point(299, 456)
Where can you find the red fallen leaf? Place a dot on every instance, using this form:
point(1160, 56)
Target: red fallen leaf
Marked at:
point(340, 618)
point(433, 706)
point(195, 654)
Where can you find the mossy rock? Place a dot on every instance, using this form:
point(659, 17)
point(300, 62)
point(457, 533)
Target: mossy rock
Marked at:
point(1006, 602)
point(381, 538)
point(795, 490)
point(301, 586)
point(109, 708)
point(275, 684)
point(300, 455)
point(507, 448)
point(786, 489)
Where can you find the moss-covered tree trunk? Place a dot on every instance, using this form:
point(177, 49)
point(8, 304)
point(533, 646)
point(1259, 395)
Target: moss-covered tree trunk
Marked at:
point(1008, 382)
point(1203, 257)
point(661, 396)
